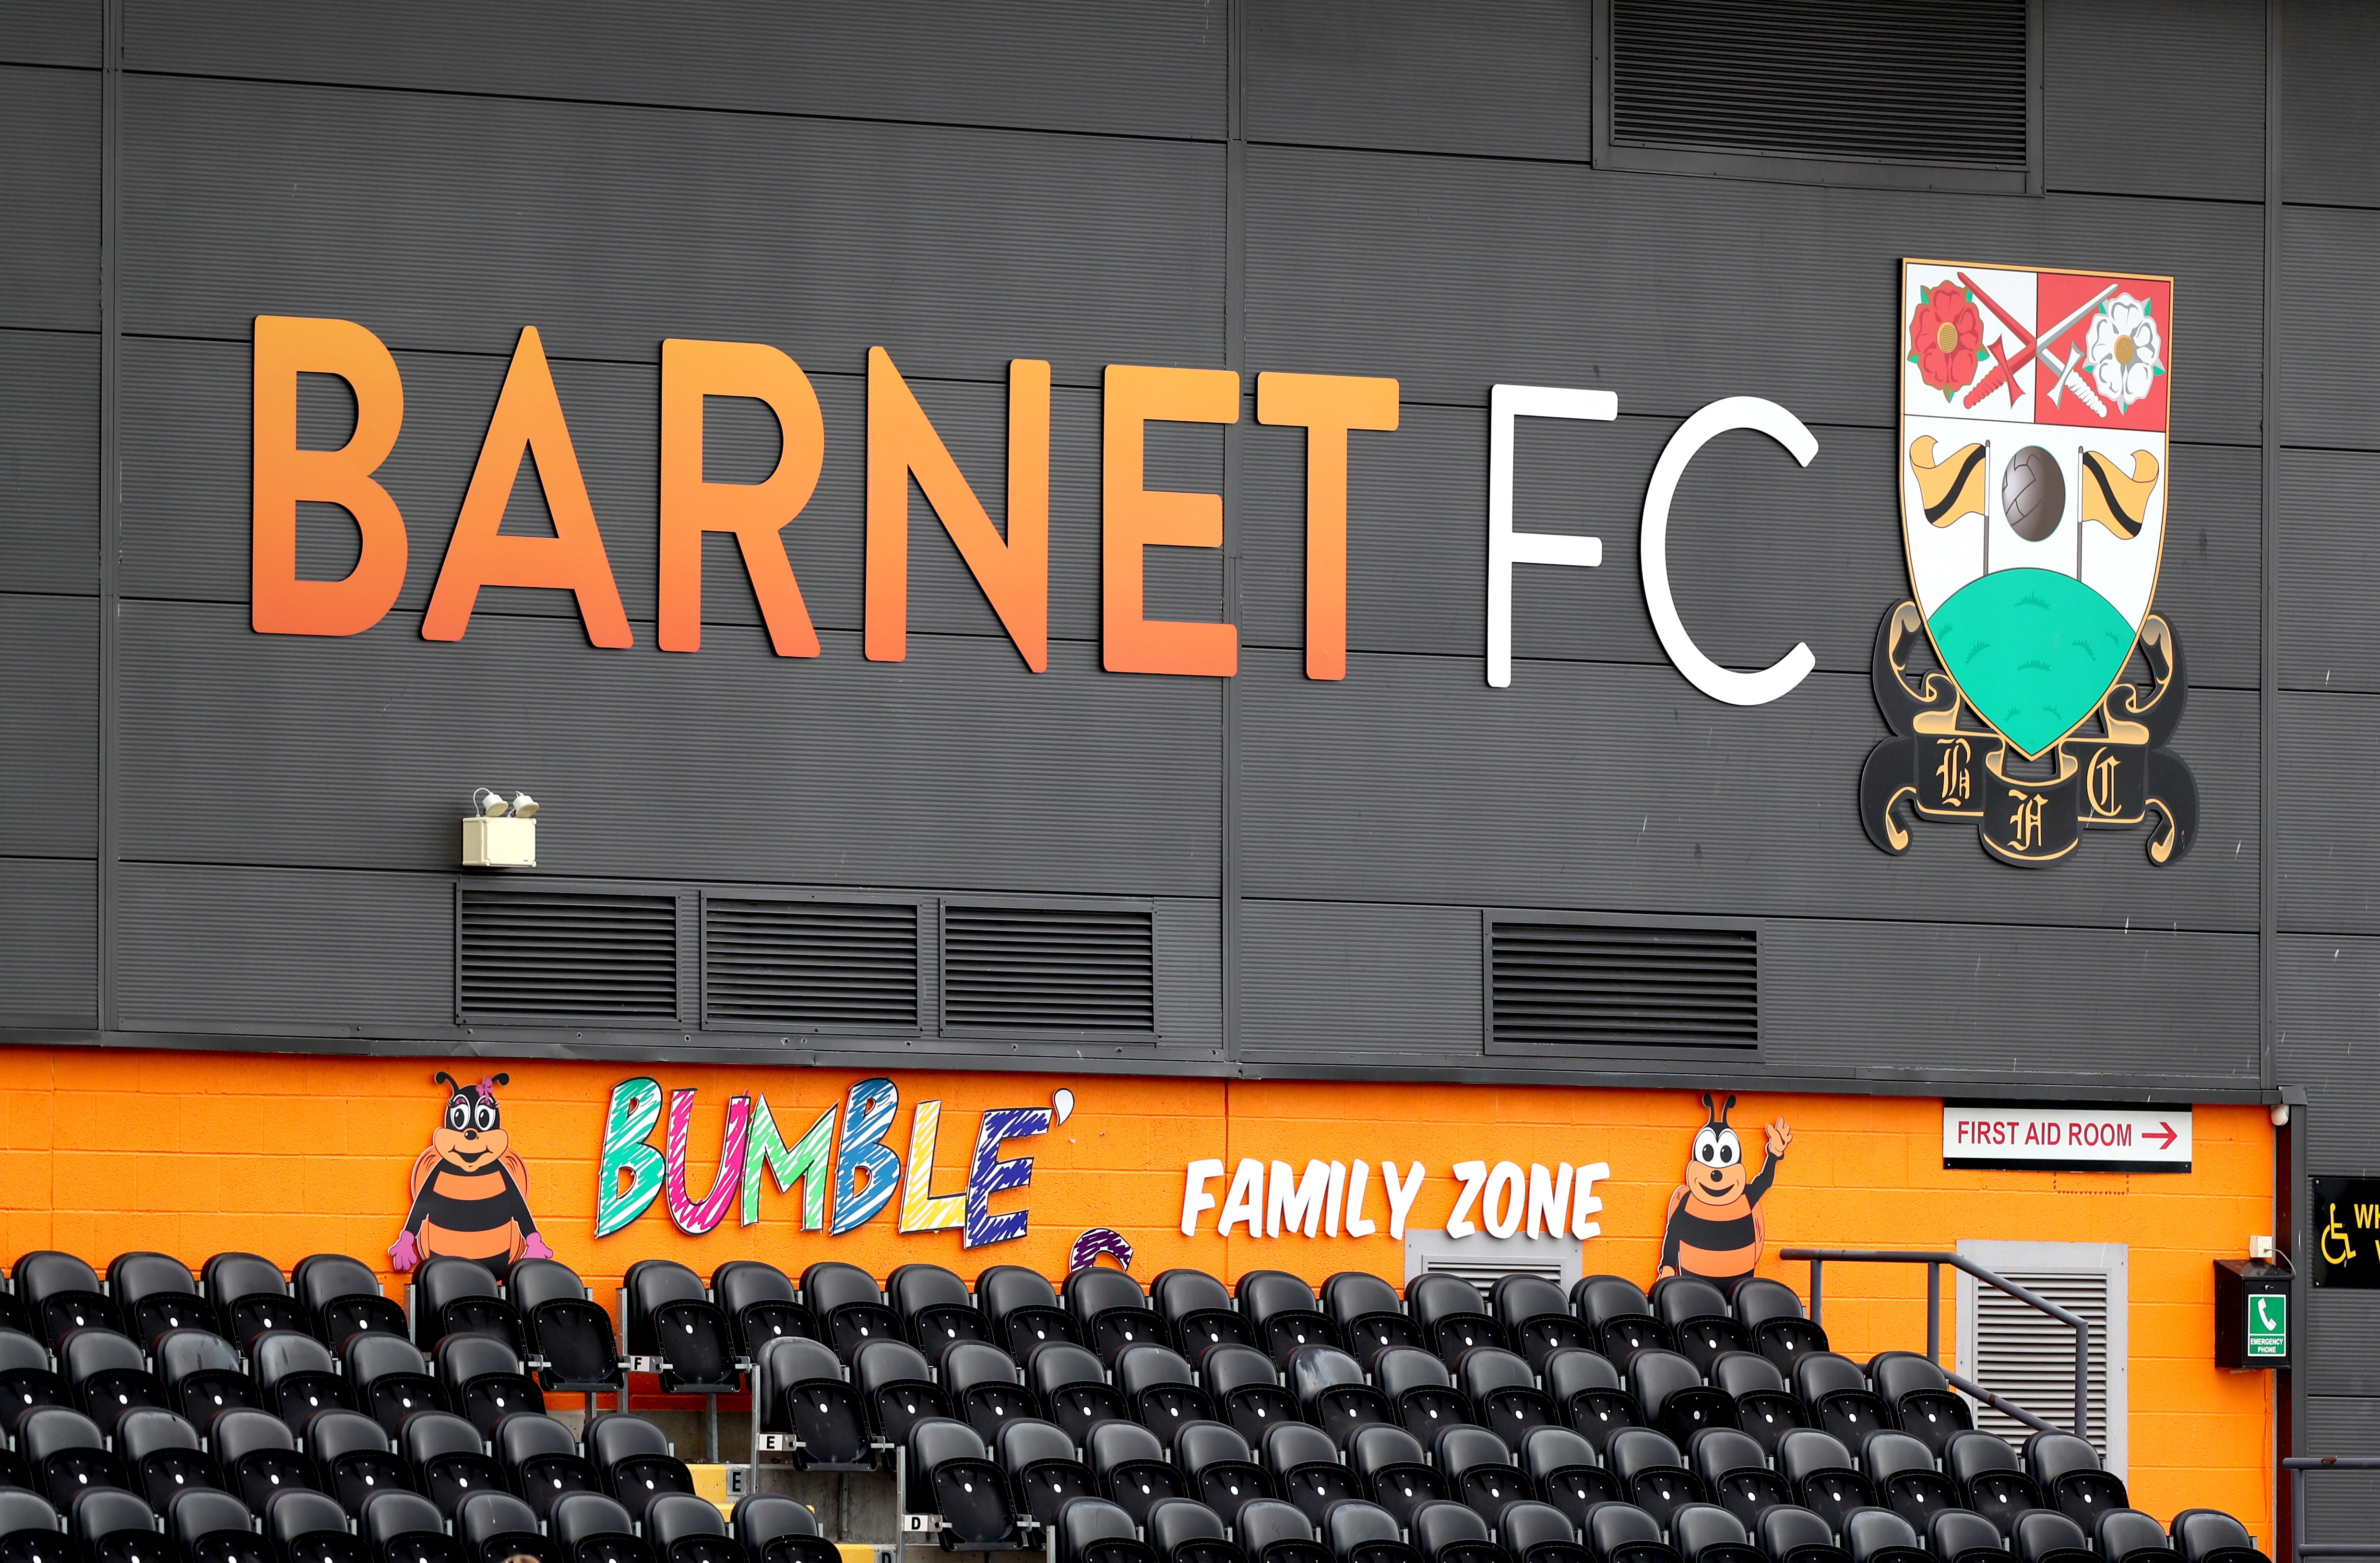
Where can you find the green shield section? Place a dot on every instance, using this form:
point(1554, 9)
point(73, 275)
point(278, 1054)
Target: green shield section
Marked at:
point(2032, 652)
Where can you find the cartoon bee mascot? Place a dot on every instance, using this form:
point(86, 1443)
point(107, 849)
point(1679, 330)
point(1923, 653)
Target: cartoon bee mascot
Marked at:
point(470, 1188)
point(1715, 1227)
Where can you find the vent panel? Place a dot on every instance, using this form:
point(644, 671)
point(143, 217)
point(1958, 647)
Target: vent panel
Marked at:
point(1884, 80)
point(2029, 1357)
point(563, 956)
point(809, 962)
point(1045, 968)
point(1574, 985)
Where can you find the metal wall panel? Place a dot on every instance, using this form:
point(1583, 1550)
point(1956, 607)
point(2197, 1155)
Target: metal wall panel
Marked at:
point(48, 188)
point(2327, 842)
point(187, 495)
point(1324, 982)
point(49, 705)
point(49, 462)
point(2329, 117)
point(2199, 134)
point(49, 942)
point(2329, 514)
point(2340, 1505)
point(2325, 260)
point(1511, 79)
point(1453, 274)
point(2328, 988)
point(52, 32)
point(1594, 785)
point(1763, 554)
point(327, 953)
point(1152, 70)
point(609, 228)
point(955, 767)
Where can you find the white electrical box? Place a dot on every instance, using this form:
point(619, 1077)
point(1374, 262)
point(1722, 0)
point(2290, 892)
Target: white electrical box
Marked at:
point(499, 843)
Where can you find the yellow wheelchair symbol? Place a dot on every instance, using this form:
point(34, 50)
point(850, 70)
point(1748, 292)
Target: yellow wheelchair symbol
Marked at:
point(2347, 1245)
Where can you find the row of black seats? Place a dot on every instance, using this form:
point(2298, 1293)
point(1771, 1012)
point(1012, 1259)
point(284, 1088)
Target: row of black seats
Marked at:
point(299, 1525)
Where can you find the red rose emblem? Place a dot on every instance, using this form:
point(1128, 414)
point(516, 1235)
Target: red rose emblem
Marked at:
point(1946, 335)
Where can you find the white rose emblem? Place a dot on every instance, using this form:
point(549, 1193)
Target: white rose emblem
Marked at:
point(2123, 350)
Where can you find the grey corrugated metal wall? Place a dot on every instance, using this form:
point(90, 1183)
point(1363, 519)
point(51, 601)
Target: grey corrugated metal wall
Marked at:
point(206, 832)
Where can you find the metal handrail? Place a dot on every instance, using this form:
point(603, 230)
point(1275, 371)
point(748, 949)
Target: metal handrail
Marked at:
point(2297, 1466)
point(1934, 1261)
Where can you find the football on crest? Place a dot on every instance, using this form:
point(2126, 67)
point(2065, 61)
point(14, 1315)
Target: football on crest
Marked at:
point(2033, 492)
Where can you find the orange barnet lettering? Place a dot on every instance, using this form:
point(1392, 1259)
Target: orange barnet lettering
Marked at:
point(1015, 572)
point(281, 475)
point(755, 513)
point(528, 421)
point(1327, 406)
point(1132, 518)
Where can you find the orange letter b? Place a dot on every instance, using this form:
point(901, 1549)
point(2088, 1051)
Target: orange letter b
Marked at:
point(281, 475)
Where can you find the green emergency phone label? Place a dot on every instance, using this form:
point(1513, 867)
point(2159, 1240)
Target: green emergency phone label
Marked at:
point(2268, 1326)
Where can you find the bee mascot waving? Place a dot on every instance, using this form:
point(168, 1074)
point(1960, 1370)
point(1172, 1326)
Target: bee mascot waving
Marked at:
point(1715, 1227)
point(470, 1188)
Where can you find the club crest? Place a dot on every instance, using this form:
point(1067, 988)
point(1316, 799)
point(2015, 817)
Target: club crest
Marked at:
point(2029, 682)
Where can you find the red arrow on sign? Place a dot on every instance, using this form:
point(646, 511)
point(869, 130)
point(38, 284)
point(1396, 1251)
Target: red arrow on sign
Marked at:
point(2163, 1131)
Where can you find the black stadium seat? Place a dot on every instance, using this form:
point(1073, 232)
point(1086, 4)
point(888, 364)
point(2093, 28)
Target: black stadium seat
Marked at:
point(1788, 1534)
point(777, 1529)
point(1878, 1535)
point(1921, 1400)
point(1902, 1473)
point(951, 1474)
point(296, 1376)
point(1022, 1309)
point(163, 1455)
point(1449, 1315)
point(1563, 1469)
point(1772, 1318)
point(2044, 1535)
point(895, 1386)
point(1038, 1461)
point(1365, 1533)
point(1763, 1407)
point(1420, 1388)
point(1160, 1389)
point(1303, 1468)
point(671, 1317)
point(1367, 1314)
point(566, 1332)
point(1071, 1387)
point(29, 1528)
point(1835, 1396)
point(107, 1376)
point(483, 1380)
point(983, 1386)
point(249, 1296)
point(1670, 1394)
point(1094, 1531)
point(1245, 1389)
point(1284, 1313)
point(259, 1457)
point(307, 1527)
point(1961, 1536)
point(1504, 1392)
point(1131, 1468)
point(447, 1459)
point(1110, 1312)
point(113, 1526)
point(1198, 1312)
point(1393, 1468)
point(2073, 1481)
point(1185, 1531)
point(1704, 1533)
point(1221, 1469)
point(495, 1526)
point(455, 1296)
point(799, 1385)
point(540, 1461)
point(387, 1378)
point(1270, 1532)
point(2127, 1535)
point(27, 1379)
point(848, 1305)
point(634, 1458)
point(760, 1305)
point(1453, 1533)
point(934, 1309)
point(1539, 1532)
point(203, 1374)
point(1477, 1469)
point(1695, 1314)
point(340, 1296)
point(1823, 1476)
point(1585, 1387)
point(66, 1454)
point(1535, 1317)
point(1331, 1392)
point(1622, 1533)
point(402, 1527)
point(60, 1292)
point(1652, 1471)
point(1987, 1472)
point(155, 1293)
point(353, 1458)
point(681, 1528)
point(590, 1528)
point(2209, 1535)
point(207, 1526)
point(1615, 1311)
point(1734, 1469)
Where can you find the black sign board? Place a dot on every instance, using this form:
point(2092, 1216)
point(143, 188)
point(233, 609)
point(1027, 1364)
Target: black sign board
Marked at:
point(2345, 1223)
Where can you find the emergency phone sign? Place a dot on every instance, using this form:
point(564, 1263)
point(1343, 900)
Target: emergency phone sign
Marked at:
point(2086, 1138)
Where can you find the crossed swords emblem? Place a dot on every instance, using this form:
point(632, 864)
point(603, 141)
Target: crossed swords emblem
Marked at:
point(2041, 346)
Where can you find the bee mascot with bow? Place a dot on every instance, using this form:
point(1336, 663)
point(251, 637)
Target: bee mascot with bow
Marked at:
point(1715, 1228)
point(470, 1188)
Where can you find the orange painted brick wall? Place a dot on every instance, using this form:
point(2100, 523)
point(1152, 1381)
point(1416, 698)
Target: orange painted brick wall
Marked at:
point(196, 1153)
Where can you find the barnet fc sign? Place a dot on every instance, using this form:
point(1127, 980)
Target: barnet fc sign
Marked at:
point(2033, 455)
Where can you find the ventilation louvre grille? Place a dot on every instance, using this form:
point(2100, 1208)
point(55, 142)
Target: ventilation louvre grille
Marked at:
point(2029, 1357)
point(1048, 968)
point(1889, 80)
point(549, 955)
point(1575, 985)
point(809, 962)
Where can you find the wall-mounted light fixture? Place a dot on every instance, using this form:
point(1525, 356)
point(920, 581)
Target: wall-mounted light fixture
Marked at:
point(500, 832)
